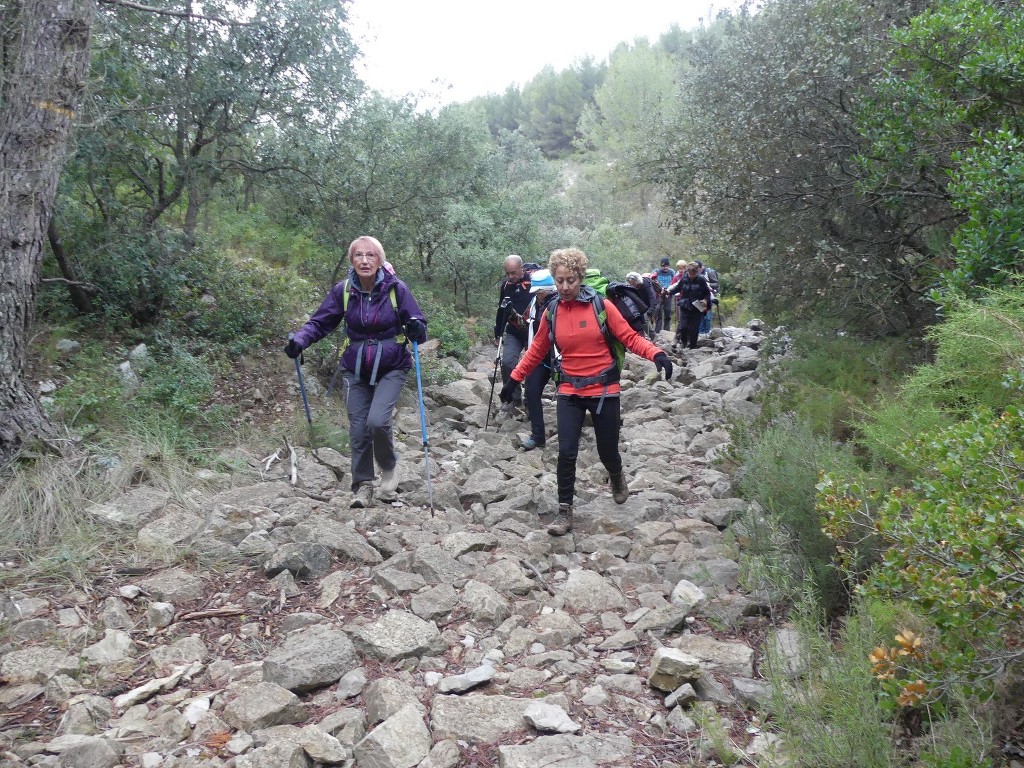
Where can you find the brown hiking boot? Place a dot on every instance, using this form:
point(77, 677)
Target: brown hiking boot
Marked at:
point(619, 490)
point(562, 523)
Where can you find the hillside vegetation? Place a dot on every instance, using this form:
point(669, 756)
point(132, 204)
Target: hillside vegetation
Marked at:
point(853, 169)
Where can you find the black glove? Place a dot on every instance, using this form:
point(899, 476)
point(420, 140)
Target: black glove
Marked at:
point(506, 391)
point(292, 349)
point(662, 363)
point(416, 331)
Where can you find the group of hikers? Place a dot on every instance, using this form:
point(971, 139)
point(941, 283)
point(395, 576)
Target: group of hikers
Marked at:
point(672, 292)
point(555, 323)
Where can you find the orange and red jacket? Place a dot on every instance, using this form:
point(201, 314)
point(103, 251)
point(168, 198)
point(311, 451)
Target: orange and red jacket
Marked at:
point(584, 350)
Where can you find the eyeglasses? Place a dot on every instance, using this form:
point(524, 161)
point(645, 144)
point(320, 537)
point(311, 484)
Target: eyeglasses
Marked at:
point(370, 256)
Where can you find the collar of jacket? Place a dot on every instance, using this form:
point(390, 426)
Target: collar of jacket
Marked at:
point(353, 279)
point(586, 294)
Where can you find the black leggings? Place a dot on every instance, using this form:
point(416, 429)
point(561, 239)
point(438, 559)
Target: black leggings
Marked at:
point(571, 409)
point(689, 326)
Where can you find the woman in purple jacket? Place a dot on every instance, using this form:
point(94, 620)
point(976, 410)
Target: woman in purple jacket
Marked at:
point(376, 307)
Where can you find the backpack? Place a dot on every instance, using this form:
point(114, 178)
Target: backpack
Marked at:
point(596, 280)
point(617, 349)
point(631, 304)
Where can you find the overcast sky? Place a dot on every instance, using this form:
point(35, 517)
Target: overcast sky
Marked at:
point(458, 49)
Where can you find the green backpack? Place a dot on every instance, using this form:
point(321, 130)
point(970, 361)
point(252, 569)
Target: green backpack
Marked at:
point(596, 280)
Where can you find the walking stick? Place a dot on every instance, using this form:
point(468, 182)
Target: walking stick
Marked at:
point(494, 380)
point(423, 425)
point(302, 389)
point(719, 314)
point(505, 303)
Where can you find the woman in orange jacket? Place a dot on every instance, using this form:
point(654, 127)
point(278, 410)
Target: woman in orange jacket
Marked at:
point(587, 374)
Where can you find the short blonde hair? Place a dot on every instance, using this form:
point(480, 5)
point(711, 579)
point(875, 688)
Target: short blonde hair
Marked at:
point(681, 264)
point(572, 259)
point(374, 244)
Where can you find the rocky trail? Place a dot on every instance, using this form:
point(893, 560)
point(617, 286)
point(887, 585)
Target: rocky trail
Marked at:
point(290, 631)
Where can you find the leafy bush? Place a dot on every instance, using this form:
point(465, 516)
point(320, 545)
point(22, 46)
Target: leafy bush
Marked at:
point(171, 400)
point(250, 301)
point(829, 379)
point(252, 234)
point(451, 329)
point(978, 351)
point(950, 541)
point(856, 696)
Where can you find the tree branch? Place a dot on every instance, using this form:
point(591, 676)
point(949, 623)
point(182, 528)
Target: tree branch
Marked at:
point(176, 14)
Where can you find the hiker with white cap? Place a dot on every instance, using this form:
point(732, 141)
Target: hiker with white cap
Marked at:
point(543, 289)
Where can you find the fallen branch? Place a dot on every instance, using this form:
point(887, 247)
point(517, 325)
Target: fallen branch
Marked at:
point(211, 613)
point(536, 573)
point(294, 474)
point(270, 460)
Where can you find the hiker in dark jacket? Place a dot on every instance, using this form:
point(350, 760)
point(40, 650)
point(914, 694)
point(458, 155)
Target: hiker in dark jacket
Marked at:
point(650, 295)
point(378, 309)
point(689, 288)
point(509, 327)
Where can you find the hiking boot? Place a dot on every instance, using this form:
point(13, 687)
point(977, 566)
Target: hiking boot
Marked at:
point(389, 480)
point(562, 523)
point(530, 443)
point(362, 496)
point(620, 492)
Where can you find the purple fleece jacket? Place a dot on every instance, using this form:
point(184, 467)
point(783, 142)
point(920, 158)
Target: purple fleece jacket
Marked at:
point(370, 316)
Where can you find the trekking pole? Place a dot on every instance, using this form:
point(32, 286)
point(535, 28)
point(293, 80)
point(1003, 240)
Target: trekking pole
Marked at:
point(302, 389)
point(423, 425)
point(719, 316)
point(494, 380)
point(497, 361)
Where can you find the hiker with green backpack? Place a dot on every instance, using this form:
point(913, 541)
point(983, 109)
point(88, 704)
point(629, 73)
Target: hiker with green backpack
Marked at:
point(380, 316)
point(586, 338)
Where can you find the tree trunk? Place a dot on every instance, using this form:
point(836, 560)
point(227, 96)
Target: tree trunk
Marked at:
point(41, 96)
point(79, 296)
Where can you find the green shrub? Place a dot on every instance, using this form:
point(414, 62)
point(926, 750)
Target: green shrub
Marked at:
point(781, 465)
point(828, 380)
point(93, 394)
point(980, 343)
point(252, 234)
point(171, 399)
point(830, 718)
point(251, 302)
point(950, 541)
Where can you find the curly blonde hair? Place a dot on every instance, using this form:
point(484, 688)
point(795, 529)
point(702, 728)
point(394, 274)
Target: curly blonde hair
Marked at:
point(572, 259)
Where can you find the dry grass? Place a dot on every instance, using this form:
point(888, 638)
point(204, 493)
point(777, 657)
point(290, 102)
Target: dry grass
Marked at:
point(44, 524)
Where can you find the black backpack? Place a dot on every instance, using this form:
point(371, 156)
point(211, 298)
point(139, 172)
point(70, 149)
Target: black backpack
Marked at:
point(631, 304)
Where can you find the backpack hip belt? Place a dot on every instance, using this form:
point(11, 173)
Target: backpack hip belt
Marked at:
point(608, 376)
point(376, 357)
